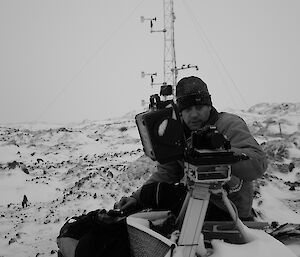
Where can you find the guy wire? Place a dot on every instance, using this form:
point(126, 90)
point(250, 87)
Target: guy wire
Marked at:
point(210, 48)
point(88, 61)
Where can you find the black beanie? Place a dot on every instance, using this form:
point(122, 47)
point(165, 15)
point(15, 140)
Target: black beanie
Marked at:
point(192, 91)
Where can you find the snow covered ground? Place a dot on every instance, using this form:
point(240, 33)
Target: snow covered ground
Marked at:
point(67, 170)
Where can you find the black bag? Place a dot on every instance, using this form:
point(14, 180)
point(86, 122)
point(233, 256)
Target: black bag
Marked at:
point(98, 233)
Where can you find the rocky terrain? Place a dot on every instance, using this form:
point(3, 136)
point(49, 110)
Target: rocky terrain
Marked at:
point(67, 170)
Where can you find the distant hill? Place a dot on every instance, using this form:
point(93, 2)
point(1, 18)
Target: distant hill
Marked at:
point(275, 108)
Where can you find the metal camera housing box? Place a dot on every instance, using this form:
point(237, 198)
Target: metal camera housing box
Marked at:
point(208, 173)
point(161, 134)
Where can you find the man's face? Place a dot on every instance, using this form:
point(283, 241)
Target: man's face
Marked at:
point(196, 116)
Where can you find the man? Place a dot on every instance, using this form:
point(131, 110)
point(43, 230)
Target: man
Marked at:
point(196, 110)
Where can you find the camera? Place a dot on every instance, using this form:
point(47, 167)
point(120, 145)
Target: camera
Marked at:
point(209, 137)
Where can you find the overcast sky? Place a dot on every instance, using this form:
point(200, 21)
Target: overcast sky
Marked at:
point(70, 60)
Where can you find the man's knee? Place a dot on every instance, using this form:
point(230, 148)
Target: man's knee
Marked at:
point(67, 246)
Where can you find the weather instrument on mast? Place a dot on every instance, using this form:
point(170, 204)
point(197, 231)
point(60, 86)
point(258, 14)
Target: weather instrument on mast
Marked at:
point(167, 86)
point(170, 70)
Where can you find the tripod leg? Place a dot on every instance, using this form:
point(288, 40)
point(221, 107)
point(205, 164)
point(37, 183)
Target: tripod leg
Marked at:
point(190, 234)
point(180, 217)
point(235, 217)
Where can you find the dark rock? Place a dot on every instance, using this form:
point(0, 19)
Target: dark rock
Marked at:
point(25, 169)
point(122, 129)
point(12, 240)
point(12, 165)
point(274, 224)
point(39, 160)
point(110, 174)
point(291, 166)
point(283, 168)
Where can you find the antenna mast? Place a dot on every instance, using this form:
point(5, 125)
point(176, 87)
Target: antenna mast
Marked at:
point(170, 72)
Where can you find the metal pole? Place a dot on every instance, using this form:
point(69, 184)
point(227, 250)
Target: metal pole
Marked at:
point(169, 44)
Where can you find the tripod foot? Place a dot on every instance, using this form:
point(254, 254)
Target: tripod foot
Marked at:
point(201, 250)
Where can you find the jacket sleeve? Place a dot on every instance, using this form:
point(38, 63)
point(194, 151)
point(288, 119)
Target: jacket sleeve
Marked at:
point(242, 141)
point(171, 172)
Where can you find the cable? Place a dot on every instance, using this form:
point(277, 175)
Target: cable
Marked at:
point(210, 47)
point(88, 61)
point(208, 50)
point(235, 210)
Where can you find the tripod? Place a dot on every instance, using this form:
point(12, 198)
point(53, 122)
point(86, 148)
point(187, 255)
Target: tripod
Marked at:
point(191, 217)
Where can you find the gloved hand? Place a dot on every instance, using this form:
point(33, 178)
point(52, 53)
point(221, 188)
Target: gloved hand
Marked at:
point(127, 205)
point(163, 196)
point(234, 184)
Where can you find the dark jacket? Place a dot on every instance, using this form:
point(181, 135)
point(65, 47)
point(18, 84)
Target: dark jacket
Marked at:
point(241, 141)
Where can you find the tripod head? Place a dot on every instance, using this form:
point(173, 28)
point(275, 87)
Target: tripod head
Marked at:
point(211, 167)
